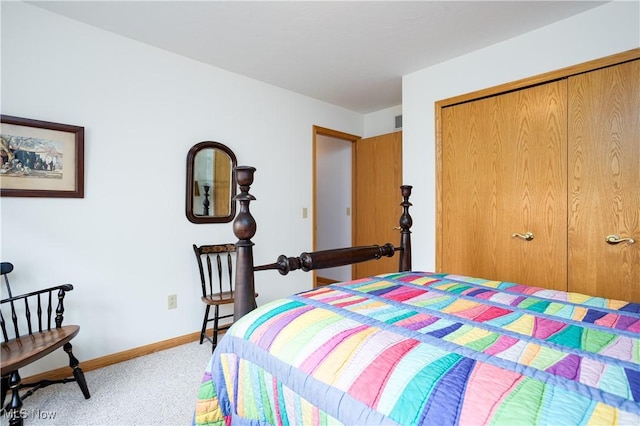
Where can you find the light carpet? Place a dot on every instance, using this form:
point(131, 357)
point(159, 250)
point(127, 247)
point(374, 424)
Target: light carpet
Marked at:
point(156, 389)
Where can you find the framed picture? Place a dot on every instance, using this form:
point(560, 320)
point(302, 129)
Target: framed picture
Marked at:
point(41, 159)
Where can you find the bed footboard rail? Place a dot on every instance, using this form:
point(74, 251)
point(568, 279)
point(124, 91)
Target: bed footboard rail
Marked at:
point(244, 228)
point(329, 258)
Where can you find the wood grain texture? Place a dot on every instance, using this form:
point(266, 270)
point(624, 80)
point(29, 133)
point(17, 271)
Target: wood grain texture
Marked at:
point(442, 105)
point(604, 180)
point(504, 171)
point(377, 200)
point(23, 351)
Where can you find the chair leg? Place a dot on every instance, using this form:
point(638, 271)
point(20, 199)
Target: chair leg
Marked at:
point(204, 323)
point(215, 327)
point(14, 409)
point(78, 374)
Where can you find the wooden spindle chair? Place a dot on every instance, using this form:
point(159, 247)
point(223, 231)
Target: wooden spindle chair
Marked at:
point(216, 283)
point(28, 335)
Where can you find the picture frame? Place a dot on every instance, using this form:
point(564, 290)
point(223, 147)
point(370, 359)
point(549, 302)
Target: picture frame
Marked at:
point(41, 158)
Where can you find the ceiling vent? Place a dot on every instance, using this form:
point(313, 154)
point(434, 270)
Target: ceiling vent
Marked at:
point(398, 122)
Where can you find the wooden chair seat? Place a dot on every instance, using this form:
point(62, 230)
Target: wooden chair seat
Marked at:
point(223, 298)
point(17, 353)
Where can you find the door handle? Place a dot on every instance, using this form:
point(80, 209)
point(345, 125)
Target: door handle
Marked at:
point(614, 239)
point(527, 237)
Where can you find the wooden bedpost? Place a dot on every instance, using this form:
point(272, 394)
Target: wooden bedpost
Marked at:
point(405, 230)
point(244, 228)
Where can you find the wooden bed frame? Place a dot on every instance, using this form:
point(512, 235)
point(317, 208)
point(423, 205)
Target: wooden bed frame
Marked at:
point(244, 228)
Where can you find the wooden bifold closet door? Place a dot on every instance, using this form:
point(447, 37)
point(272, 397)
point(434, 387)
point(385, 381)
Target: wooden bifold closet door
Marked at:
point(558, 159)
point(503, 172)
point(604, 181)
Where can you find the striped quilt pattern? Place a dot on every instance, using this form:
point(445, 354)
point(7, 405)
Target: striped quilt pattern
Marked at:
point(424, 348)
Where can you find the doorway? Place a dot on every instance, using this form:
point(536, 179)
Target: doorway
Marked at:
point(333, 197)
point(361, 194)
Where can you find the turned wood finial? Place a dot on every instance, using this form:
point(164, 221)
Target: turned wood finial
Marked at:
point(406, 221)
point(244, 225)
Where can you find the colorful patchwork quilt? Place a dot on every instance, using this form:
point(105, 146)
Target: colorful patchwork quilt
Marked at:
point(423, 348)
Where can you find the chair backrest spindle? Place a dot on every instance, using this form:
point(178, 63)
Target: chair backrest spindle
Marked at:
point(219, 263)
point(14, 318)
point(49, 310)
point(205, 254)
point(39, 314)
point(27, 313)
point(230, 269)
point(5, 336)
point(210, 273)
point(60, 308)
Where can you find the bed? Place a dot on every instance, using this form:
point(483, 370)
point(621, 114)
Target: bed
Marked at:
point(420, 348)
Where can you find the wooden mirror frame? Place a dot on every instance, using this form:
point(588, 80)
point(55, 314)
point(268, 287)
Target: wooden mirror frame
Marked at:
point(191, 156)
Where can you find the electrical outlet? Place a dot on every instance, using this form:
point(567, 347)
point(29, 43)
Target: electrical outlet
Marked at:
point(172, 301)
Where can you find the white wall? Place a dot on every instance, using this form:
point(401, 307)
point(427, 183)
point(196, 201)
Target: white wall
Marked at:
point(127, 245)
point(606, 30)
point(381, 122)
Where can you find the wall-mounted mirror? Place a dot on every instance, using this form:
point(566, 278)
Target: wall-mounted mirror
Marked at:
point(211, 183)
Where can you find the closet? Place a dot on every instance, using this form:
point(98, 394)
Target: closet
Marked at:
point(535, 176)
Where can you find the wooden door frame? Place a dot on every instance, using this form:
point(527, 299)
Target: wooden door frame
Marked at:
point(629, 55)
point(323, 131)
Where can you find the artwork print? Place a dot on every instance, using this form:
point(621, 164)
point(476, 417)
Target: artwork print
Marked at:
point(41, 159)
point(22, 156)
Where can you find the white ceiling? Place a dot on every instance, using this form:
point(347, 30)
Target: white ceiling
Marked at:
point(350, 54)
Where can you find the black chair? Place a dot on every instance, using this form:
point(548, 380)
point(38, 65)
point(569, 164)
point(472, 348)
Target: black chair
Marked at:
point(218, 293)
point(29, 336)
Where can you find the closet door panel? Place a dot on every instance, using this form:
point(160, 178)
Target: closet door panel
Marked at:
point(470, 177)
point(504, 172)
point(604, 179)
point(536, 187)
